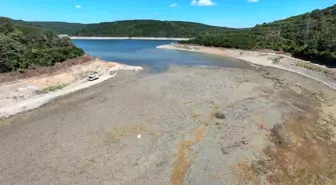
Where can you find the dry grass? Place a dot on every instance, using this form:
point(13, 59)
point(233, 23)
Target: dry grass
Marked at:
point(51, 89)
point(301, 151)
point(311, 67)
point(184, 156)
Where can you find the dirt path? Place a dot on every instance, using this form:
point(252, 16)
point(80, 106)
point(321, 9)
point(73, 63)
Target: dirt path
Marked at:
point(185, 126)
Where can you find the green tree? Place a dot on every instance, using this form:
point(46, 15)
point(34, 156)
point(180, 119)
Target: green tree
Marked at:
point(23, 47)
point(311, 36)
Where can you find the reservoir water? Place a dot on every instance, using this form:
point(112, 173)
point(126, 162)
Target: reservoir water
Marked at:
point(145, 53)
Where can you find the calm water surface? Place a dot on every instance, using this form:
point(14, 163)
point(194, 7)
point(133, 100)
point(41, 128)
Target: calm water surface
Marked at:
point(145, 53)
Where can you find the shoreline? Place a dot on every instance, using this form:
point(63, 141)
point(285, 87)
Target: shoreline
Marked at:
point(316, 72)
point(125, 38)
point(22, 95)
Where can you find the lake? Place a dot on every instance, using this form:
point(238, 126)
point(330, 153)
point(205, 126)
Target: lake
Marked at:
point(144, 53)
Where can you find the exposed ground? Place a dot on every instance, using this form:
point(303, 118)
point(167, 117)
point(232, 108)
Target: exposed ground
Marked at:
point(185, 126)
point(47, 70)
point(268, 58)
point(28, 92)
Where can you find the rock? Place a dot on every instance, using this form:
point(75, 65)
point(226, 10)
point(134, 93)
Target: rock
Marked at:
point(220, 115)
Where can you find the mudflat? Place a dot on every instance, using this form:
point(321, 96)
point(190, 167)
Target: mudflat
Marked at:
point(188, 125)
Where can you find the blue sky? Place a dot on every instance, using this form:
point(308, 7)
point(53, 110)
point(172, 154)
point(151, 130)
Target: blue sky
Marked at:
point(231, 13)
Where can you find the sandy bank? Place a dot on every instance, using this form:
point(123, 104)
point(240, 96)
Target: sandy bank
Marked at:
point(27, 94)
point(126, 38)
point(320, 73)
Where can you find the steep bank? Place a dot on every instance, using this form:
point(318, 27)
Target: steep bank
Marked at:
point(27, 94)
point(320, 73)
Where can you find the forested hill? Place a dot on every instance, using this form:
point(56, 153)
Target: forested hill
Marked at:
point(55, 27)
point(310, 36)
point(128, 28)
point(149, 28)
point(23, 46)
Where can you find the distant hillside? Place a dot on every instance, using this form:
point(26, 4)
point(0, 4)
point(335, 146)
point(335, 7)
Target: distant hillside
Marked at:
point(24, 46)
point(129, 28)
point(310, 36)
point(56, 27)
point(149, 28)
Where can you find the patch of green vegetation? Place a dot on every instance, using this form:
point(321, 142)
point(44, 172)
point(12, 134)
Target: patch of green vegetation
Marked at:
point(310, 36)
point(23, 46)
point(277, 59)
point(311, 67)
point(51, 89)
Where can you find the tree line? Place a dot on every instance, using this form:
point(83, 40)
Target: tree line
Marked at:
point(310, 36)
point(149, 28)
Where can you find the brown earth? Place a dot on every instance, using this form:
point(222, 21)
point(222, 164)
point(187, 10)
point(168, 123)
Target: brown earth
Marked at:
point(48, 70)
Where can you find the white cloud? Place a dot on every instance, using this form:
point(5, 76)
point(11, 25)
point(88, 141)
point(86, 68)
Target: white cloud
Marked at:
point(252, 1)
point(173, 5)
point(78, 6)
point(202, 3)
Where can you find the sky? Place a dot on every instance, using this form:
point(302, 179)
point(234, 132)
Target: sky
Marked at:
point(230, 13)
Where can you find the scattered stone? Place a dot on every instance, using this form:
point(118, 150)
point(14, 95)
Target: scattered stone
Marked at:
point(244, 142)
point(259, 167)
point(224, 151)
point(220, 115)
point(235, 145)
point(279, 136)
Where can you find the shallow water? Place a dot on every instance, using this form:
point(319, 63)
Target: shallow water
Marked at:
point(145, 53)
